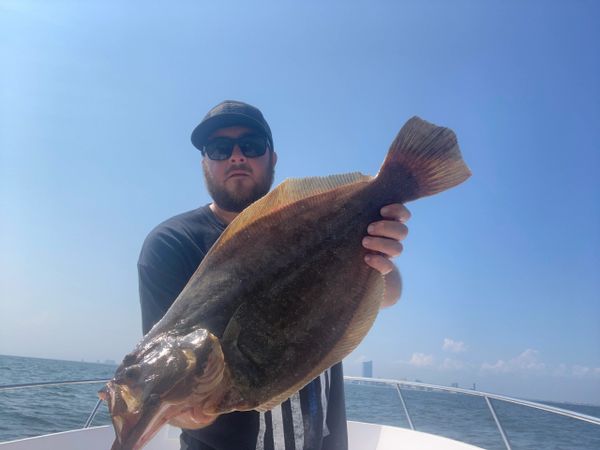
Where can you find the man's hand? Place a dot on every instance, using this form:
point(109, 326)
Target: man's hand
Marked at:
point(385, 236)
point(384, 239)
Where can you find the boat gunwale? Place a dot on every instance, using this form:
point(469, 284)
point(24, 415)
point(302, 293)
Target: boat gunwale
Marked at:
point(434, 387)
point(398, 384)
point(391, 382)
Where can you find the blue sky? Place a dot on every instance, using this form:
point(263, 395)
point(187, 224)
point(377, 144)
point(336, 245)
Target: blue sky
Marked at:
point(98, 100)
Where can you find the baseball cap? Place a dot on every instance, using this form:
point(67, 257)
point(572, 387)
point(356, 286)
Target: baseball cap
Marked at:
point(230, 113)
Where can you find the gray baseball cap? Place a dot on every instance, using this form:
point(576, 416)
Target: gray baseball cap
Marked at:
point(230, 113)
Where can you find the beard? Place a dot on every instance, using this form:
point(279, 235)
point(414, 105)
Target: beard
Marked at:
point(237, 197)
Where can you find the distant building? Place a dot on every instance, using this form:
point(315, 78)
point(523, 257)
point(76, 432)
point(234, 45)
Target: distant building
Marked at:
point(367, 369)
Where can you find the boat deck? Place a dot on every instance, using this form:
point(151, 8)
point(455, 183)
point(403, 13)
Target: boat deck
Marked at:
point(362, 436)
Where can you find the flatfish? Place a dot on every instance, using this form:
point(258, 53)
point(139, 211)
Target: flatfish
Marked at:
point(281, 296)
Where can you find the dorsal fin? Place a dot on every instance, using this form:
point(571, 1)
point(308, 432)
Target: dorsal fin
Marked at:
point(290, 191)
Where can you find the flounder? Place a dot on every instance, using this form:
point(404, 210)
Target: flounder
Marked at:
point(281, 296)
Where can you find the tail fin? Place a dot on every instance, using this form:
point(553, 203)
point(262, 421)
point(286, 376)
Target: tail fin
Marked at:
point(429, 155)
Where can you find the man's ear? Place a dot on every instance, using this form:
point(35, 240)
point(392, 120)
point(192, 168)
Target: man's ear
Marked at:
point(274, 158)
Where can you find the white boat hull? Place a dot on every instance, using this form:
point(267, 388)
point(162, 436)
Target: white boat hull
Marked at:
point(362, 436)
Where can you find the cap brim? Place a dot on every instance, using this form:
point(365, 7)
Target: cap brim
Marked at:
point(207, 127)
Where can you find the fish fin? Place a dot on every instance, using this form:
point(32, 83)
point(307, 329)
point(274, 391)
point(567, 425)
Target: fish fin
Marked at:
point(276, 401)
point(364, 316)
point(290, 191)
point(428, 155)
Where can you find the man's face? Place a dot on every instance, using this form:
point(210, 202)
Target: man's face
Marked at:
point(238, 181)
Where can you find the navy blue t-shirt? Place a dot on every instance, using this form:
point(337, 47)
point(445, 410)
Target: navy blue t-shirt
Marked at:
point(312, 419)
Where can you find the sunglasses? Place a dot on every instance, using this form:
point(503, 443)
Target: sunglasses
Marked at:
point(221, 148)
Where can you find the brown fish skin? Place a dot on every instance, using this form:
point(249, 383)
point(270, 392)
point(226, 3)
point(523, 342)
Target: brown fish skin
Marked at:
point(285, 289)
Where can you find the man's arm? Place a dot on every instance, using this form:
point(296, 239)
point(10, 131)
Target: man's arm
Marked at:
point(384, 239)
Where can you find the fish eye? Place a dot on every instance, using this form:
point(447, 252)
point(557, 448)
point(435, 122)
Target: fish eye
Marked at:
point(129, 358)
point(132, 373)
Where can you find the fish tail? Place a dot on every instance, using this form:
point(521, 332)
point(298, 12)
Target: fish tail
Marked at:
point(423, 160)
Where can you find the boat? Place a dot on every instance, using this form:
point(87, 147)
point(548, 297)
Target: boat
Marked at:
point(361, 435)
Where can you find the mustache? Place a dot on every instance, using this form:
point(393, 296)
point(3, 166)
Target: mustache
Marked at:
point(243, 167)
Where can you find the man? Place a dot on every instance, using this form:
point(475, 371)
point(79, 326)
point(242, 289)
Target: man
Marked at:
point(238, 163)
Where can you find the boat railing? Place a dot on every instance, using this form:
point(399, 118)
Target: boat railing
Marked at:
point(397, 384)
point(487, 396)
point(90, 419)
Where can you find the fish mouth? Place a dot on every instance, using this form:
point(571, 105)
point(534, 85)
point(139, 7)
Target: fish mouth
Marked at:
point(134, 423)
point(139, 410)
point(134, 429)
point(153, 423)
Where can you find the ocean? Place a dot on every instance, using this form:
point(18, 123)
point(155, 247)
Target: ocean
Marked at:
point(35, 411)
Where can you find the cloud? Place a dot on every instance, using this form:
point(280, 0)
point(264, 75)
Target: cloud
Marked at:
point(453, 346)
point(499, 366)
point(527, 361)
point(583, 371)
point(580, 371)
point(421, 360)
point(452, 364)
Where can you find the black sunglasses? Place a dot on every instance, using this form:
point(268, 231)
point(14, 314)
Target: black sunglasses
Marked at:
point(221, 148)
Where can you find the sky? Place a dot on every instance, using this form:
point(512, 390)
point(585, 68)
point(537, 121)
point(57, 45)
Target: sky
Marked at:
point(501, 274)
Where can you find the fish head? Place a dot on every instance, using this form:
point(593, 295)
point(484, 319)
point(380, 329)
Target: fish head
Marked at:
point(162, 378)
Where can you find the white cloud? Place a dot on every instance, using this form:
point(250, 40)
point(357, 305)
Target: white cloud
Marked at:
point(452, 364)
point(498, 366)
point(421, 360)
point(528, 360)
point(454, 346)
point(525, 362)
point(580, 371)
point(583, 371)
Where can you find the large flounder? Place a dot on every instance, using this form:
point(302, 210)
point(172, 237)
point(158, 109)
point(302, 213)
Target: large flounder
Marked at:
point(281, 296)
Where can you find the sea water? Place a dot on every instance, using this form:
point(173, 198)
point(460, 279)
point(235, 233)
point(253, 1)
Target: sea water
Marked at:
point(35, 411)
point(468, 418)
